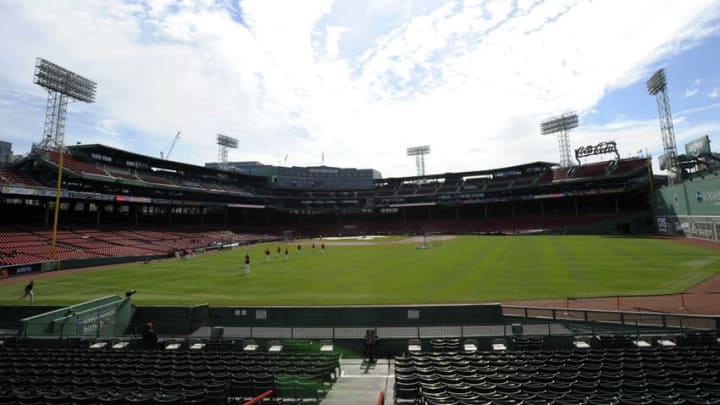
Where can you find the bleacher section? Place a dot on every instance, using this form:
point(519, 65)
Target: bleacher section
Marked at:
point(516, 369)
point(387, 190)
point(475, 184)
point(126, 376)
point(453, 184)
point(560, 174)
point(614, 369)
point(450, 184)
point(28, 246)
point(156, 180)
point(10, 178)
point(590, 170)
point(73, 164)
point(427, 189)
point(121, 174)
point(629, 166)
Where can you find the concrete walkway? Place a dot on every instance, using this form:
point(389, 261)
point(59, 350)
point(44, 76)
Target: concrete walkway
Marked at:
point(360, 383)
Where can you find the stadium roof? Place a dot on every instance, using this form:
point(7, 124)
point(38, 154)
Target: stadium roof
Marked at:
point(151, 160)
point(522, 167)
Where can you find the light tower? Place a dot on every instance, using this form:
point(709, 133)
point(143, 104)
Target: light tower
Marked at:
point(560, 125)
point(657, 86)
point(62, 86)
point(419, 152)
point(225, 143)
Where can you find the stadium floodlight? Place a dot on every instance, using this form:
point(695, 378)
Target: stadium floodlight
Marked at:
point(560, 126)
point(224, 143)
point(657, 86)
point(62, 86)
point(657, 83)
point(419, 152)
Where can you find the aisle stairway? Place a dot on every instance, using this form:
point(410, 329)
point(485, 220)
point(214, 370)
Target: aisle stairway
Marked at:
point(361, 382)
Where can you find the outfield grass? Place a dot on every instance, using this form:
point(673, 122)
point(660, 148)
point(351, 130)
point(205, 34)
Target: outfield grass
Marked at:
point(466, 269)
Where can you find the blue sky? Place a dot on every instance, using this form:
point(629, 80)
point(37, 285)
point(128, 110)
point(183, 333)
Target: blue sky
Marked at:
point(360, 81)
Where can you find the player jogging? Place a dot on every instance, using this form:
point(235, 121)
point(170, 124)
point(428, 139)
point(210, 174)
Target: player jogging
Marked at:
point(29, 292)
point(247, 264)
point(322, 248)
point(287, 254)
point(267, 255)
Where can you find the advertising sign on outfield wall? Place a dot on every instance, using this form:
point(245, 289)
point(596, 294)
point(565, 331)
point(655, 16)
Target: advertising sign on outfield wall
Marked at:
point(19, 270)
point(691, 208)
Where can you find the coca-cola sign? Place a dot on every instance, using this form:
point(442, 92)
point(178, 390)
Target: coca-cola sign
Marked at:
point(599, 149)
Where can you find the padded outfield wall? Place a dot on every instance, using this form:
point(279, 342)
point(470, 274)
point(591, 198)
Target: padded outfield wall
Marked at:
point(691, 208)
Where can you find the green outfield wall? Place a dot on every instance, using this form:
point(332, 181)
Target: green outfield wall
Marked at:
point(691, 208)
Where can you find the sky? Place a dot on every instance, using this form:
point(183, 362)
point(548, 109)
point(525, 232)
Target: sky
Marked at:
point(354, 83)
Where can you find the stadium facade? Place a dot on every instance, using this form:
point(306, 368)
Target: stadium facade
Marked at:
point(305, 178)
point(5, 153)
point(104, 186)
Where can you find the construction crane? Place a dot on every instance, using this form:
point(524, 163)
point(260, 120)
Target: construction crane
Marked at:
point(172, 145)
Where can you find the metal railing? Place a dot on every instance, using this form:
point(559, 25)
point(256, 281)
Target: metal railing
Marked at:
point(535, 321)
point(610, 321)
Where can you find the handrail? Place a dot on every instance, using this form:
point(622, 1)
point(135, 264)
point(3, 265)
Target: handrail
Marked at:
point(565, 309)
point(592, 317)
point(259, 398)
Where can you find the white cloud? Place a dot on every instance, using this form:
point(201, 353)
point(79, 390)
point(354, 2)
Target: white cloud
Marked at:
point(699, 109)
point(697, 82)
point(714, 93)
point(691, 92)
point(359, 81)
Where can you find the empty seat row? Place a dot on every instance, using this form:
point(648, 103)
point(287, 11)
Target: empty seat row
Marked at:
point(76, 375)
point(599, 375)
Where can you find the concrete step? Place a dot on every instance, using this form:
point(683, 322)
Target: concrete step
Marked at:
point(360, 383)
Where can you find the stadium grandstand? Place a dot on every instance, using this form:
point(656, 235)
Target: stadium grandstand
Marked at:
point(118, 206)
point(106, 187)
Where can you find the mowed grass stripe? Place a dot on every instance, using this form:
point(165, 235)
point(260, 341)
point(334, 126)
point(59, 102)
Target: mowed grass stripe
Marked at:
point(466, 269)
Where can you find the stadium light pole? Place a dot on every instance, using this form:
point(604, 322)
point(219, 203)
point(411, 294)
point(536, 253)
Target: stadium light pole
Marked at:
point(560, 126)
point(657, 86)
point(225, 143)
point(419, 152)
point(62, 86)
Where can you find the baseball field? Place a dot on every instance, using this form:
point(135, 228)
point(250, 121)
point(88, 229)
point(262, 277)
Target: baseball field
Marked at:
point(466, 269)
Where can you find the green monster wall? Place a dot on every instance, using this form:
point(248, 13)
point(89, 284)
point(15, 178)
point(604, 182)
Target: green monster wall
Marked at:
point(691, 208)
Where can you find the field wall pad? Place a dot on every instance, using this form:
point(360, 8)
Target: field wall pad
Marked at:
point(349, 316)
